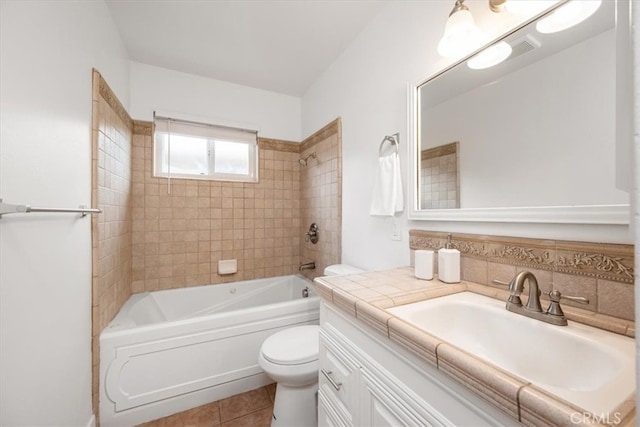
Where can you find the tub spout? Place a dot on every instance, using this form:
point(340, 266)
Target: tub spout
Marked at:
point(308, 266)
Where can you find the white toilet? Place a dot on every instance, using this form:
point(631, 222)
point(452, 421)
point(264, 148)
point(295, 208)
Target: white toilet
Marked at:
point(290, 357)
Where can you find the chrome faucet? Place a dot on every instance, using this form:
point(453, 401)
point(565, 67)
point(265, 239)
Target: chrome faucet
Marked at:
point(308, 266)
point(533, 309)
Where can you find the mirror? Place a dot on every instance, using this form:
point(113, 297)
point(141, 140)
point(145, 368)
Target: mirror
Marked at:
point(537, 135)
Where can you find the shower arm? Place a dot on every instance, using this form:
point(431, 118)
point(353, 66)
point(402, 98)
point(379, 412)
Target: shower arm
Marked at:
point(303, 162)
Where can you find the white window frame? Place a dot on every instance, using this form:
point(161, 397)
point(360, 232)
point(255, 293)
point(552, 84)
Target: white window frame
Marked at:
point(210, 133)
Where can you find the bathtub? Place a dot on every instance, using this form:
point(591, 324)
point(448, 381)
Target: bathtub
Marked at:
point(168, 351)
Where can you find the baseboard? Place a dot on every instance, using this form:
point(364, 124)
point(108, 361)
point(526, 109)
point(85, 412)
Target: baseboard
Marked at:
point(92, 421)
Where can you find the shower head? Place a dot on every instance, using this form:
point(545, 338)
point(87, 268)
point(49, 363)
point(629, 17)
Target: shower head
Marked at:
point(303, 162)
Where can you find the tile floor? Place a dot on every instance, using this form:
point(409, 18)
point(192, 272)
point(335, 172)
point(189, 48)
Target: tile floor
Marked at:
point(250, 409)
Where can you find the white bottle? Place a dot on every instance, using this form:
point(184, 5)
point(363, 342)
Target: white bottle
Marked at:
point(449, 263)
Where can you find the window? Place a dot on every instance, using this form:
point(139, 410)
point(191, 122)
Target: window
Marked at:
point(192, 150)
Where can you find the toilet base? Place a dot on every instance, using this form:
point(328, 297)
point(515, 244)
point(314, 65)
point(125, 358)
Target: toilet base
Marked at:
point(295, 406)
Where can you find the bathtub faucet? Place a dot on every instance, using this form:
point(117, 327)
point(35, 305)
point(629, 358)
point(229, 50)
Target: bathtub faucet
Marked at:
point(308, 266)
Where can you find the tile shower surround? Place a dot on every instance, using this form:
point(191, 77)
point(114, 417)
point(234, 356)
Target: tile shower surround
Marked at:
point(112, 130)
point(321, 197)
point(180, 232)
point(148, 239)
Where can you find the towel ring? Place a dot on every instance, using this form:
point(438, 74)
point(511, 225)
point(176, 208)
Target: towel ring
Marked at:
point(393, 139)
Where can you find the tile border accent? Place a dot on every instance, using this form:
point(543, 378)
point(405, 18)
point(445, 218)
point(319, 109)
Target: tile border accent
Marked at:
point(324, 133)
point(597, 260)
point(141, 127)
point(442, 150)
point(278, 145)
point(110, 97)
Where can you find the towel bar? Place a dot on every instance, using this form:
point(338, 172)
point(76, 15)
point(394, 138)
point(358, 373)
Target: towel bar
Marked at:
point(6, 208)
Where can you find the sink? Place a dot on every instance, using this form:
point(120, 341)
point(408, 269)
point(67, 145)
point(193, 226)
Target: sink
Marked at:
point(589, 367)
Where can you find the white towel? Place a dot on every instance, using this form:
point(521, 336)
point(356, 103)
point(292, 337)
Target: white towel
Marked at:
point(387, 191)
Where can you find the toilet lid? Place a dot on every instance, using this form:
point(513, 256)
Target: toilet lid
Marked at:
point(293, 346)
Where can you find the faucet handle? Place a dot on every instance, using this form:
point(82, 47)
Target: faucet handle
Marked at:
point(555, 297)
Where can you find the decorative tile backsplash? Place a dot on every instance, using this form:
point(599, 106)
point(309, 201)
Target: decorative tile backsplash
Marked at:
point(604, 273)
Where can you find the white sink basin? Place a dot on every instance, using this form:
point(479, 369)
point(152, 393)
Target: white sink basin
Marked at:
point(589, 367)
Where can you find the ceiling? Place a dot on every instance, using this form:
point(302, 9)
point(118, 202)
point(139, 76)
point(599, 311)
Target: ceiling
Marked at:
point(276, 45)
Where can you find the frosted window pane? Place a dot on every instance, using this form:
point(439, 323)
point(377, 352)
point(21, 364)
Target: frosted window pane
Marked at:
point(231, 157)
point(188, 156)
point(194, 156)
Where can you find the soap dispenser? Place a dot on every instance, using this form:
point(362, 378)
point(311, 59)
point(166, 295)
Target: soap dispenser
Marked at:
point(449, 263)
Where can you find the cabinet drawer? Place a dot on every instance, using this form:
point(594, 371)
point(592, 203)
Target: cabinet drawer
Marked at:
point(338, 374)
point(331, 413)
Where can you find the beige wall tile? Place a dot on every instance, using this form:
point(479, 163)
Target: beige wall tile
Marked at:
point(576, 286)
point(112, 230)
point(615, 299)
point(260, 224)
point(474, 270)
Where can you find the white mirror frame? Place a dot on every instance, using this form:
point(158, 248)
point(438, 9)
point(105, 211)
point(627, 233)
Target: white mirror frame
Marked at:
point(597, 214)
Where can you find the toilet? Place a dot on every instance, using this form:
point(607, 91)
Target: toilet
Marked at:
point(290, 358)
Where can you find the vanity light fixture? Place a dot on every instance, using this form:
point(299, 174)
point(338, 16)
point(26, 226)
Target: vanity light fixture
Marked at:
point(492, 55)
point(461, 35)
point(521, 7)
point(568, 15)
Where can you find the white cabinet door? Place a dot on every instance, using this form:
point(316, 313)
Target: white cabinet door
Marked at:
point(338, 377)
point(385, 404)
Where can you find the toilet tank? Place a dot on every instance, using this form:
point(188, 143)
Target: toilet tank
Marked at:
point(341, 269)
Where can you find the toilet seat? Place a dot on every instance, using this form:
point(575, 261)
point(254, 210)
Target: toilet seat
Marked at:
point(293, 346)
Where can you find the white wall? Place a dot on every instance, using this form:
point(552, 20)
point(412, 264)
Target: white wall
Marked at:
point(199, 98)
point(47, 53)
point(367, 87)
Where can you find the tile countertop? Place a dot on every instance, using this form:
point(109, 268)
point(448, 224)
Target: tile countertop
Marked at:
point(366, 296)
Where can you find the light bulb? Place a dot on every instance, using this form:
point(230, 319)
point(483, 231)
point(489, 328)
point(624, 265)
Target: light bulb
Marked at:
point(461, 35)
point(492, 55)
point(568, 15)
point(527, 8)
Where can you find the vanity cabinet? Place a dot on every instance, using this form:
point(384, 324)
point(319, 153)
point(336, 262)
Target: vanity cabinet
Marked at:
point(368, 380)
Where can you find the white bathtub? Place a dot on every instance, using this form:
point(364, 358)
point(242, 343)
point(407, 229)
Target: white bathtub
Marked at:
point(168, 351)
